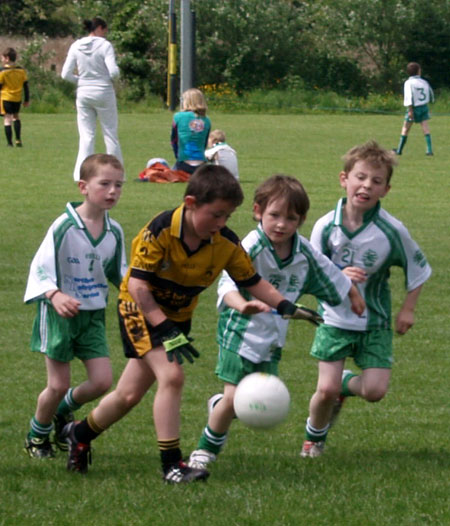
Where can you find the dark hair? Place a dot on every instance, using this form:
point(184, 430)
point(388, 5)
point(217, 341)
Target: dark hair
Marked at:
point(284, 187)
point(10, 53)
point(210, 182)
point(413, 68)
point(91, 25)
point(373, 154)
point(91, 164)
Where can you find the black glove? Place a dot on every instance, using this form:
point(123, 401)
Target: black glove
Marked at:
point(286, 309)
point(176, 343)
point(303, 313)
point(297, 311)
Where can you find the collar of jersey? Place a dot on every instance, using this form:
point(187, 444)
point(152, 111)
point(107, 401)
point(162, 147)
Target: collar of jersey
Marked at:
point(76, 219)
point(78, 223)
point(176, 227)
point(367, 217)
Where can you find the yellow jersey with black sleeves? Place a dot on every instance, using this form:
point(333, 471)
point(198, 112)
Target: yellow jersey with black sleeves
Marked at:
point(12, 79)
point(176, 275)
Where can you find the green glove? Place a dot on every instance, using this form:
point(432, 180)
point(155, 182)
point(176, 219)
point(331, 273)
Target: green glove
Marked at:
point(176, 343)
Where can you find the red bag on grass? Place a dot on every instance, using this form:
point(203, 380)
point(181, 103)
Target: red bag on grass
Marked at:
point(160, 173)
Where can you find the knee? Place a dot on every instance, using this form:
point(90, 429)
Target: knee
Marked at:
point(173, 381)
point(57, 390)
point(328, 392)
point(128, 399)
point(374, 394)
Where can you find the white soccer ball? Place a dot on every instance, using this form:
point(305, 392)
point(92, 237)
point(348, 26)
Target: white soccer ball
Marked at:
point(261, 400)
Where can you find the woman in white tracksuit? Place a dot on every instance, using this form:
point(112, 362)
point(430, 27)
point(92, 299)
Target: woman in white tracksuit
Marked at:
point(94, 60)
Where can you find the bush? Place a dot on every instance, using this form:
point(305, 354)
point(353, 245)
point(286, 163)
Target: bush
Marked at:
point(48, 92)
point(339, 74)
point(292, 94)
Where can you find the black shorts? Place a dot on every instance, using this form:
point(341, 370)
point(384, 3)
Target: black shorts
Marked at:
point(138, 336)
point(186, 167)
point(11, 107)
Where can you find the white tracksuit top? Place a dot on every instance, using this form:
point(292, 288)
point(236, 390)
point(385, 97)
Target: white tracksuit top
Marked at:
point(95, 61)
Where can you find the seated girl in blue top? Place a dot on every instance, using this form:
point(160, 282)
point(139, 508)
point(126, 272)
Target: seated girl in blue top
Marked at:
point(190, 131)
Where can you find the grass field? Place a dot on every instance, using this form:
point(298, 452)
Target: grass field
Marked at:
point(386, 463)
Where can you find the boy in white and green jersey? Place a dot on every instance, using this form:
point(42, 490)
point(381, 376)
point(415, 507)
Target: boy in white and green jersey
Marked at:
point(364, 241)
point(417, 94)
point(68, 280)
point(250, 336)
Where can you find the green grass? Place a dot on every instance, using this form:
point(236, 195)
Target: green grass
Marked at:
point(386, 463)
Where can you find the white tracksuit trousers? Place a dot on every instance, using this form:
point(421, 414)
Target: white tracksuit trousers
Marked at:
point(93, 102)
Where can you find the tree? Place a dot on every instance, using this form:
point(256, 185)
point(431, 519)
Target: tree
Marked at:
point(247, 43)
point(139, 30)
point(429, 42)
point(26, 17)
point(383, 34)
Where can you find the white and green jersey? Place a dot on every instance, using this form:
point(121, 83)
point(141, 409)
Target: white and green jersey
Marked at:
point(71, 260)
point(306, 271)
point(417, 92)
point(380, 243)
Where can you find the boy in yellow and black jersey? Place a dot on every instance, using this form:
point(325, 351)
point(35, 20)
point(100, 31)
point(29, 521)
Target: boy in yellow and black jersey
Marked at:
point(173, 258)
point(13, 81)
point(176, 275)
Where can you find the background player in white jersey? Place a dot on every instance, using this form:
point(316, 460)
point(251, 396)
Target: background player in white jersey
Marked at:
point(417, 94)
point(364, 241)
point(250, 343)
point(83, 249)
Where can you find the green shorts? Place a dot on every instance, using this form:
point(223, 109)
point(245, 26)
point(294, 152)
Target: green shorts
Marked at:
point(420, 114)
point(367, 348)
point(63, 339)
point(231, 367)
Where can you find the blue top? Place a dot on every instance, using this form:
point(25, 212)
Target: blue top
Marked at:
point(190, 136)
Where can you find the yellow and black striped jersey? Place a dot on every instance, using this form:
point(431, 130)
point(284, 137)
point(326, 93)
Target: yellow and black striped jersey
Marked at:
point(176, 275)
point(12, 80)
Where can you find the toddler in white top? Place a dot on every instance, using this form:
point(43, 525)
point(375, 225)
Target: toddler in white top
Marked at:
point(219, 152)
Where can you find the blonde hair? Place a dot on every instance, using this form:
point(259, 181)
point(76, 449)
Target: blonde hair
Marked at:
point(372, 153)
point(194, 100)
point(217, 136)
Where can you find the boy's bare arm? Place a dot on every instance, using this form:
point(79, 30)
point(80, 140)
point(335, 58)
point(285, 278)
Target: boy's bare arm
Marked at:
point(144, 299)
point(175, 343)
point(405, 317)
point(356, 274)
point(411, 112)
point(357, 301)
point(266, 292)
point(236, 301)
